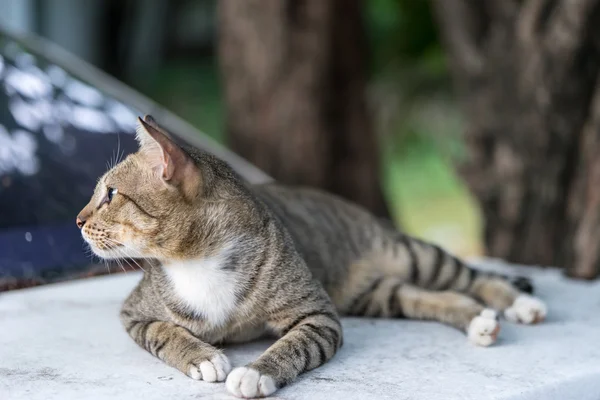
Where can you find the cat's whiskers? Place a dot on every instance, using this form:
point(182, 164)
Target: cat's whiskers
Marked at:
point(107, 266)
point(136, 263)
point(137, 253)
point(121, 244)
point(93, 257)
point(89, 252)
point(119, 259)
point(119, 157)
point(110, 162)
point(122, 253)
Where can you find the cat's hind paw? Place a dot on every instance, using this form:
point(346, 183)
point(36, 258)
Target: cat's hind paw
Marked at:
point(213, 370)
point(483, 329)
point(526, 310)
point(249, 383)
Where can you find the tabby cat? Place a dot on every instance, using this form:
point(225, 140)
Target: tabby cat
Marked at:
point(230, 262)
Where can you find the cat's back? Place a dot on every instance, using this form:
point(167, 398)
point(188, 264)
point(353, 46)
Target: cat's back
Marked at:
point(328, 231)
point(308, 203)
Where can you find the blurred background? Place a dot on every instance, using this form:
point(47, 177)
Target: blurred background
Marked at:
point(469, 124)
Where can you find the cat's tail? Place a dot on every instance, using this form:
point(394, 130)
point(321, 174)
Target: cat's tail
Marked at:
point(430, 267)
point(522, 283)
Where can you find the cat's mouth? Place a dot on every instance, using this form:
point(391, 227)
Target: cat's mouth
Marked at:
point(99, 241)
point(109, 248)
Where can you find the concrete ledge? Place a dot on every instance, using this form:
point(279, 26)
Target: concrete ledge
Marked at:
point(65, 341)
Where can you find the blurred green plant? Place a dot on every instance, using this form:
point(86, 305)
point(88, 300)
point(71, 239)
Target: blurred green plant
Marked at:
point(408, 68)
point(399, 30)
point(191, 88)
point(420, 126)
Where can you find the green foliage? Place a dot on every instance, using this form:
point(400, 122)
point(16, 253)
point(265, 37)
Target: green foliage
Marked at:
point(400, 31)
point(419, 124)
point(193, 91)
point(409, 70)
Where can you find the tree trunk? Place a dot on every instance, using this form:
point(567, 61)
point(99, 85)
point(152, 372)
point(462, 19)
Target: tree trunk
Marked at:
point(294, 75)
point(528, 74)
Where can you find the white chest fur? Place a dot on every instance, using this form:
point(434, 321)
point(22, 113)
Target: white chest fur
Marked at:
point(204, 287)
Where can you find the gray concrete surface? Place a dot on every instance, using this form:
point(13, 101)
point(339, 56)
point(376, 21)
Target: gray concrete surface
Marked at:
point(64, 341)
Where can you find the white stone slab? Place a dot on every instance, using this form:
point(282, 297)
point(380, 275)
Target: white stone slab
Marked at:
point(65, 341)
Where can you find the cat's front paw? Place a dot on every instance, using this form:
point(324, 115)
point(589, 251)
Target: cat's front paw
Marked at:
point(249, 383)
point(483, 329)
point(213, 370)
point(526, 310)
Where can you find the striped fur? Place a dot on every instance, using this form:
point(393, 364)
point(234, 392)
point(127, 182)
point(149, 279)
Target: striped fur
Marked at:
point(227, 262)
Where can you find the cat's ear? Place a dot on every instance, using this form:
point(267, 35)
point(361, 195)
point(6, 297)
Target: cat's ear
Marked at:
point(165, 157)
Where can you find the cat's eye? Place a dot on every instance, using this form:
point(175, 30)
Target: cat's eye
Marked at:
point(110, 193)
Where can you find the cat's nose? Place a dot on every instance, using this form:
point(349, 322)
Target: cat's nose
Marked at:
point(84, 215)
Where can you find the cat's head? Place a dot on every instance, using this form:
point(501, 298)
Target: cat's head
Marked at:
point(139, 207)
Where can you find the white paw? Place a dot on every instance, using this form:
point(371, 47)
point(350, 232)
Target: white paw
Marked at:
point(248, 383)
point(213, 370)
point(483, 329)
point(526, 310)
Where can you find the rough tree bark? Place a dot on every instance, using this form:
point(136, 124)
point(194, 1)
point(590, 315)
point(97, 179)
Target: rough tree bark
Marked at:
point(528, 73)
point(294, 74)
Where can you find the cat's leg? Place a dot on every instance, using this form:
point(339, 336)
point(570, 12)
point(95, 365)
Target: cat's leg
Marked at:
point(177, 347)
point(498, 293)
point(389, 297)
point(309, 339)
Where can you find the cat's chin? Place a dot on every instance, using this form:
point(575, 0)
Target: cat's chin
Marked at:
point(115, 253)
point(109, 254)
